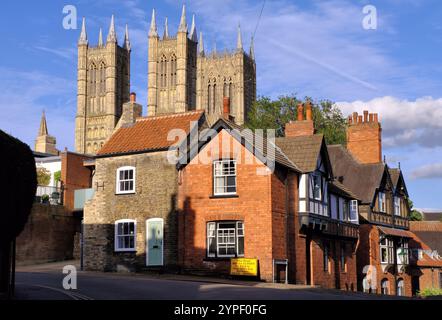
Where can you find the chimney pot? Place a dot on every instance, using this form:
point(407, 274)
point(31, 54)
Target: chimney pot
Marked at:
point(355, 117)
point(371, 117)
point(365, 116)
point(300, 112)
point(360, 119)
point(308, 110)
point(375, 117)
point(133, 97)
point(226, 107)
point(350, 119)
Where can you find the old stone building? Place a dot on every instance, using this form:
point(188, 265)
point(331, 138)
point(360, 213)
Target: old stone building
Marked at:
point(131, 222)
point(183, 77)
point(103, 87)
point(45, 143)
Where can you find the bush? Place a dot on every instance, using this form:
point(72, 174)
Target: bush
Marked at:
point(43, 176)
point(430, 292)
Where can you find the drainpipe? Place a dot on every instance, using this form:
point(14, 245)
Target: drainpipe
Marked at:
point(287, 228)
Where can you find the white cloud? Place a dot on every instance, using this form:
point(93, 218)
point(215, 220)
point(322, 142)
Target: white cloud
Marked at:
point(430, 171)
point(404, 122)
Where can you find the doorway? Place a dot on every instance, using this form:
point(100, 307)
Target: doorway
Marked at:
point(154, 242)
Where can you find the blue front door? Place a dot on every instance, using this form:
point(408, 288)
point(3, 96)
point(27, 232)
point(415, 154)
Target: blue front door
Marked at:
point(154, 243)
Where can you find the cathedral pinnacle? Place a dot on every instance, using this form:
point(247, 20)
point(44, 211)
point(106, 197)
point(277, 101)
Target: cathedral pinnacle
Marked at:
point(201, 44)
point(127, 45)
point(153, 26)
point(183, 22)
point(252, 49)
point(43, 131)
point(239, 41)
point(112, 36)
point(166, 29)
point(193, 32)
point(100, 38)
point(83, 35)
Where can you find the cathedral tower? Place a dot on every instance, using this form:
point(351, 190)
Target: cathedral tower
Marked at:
point(171, 69)
point(182, 77)
point(103, 87)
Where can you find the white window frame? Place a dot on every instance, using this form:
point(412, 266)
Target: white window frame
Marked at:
point(397, 206)
point(213, 232)
point(118, 180)
point(354, 211)
point(314, 177)
point(382, 202)
point(385, 286)
point(388, 245)
point(402, 247)
point(116, 236)
point(400, 288)
point(222, 175)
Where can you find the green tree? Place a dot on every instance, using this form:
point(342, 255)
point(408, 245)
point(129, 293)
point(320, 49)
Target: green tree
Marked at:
point(57, 177)
point(274, 114)
point(414, 214)
point(43, 176)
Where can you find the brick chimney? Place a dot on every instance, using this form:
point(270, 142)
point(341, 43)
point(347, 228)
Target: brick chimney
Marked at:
point(301, 127)
point(131, 111)
point(364, 137)
point(226, 108)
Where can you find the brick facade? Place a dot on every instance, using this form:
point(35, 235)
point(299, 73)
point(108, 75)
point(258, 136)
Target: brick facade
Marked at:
point(155, 197)
point(368, 253)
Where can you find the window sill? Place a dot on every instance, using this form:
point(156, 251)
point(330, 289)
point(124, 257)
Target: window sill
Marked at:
point(220, 258)
point(224, 196)
point(124, 193)
point(125, 251)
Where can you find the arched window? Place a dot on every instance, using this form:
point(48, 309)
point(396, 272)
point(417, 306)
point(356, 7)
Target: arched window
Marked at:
point(173, 68)
point(89, 148)
point(92, 79)
point(213, 105)
point(163, 71)
point(400, 287)
point(209, 98)
point(385, 286)
point(125, 180)
point(102, 88)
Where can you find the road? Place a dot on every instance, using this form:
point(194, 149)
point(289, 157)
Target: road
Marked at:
point(46, 284)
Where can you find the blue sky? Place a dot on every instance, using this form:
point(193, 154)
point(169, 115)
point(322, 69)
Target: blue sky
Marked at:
point(312, 48)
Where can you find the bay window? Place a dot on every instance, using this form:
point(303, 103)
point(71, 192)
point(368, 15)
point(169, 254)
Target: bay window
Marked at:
point(224, 177)
point(225, 239)
point(317, 187)
point(387, 251)
point(354, 214)
point(402, 252)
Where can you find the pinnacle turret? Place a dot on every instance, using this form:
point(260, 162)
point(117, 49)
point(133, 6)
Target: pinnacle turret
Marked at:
point(201, 44)
point(127, 45)
point(100, 38)
point(112, 36)
point(153, 32)
point(83, 35)
point(193, 32)
point(239, 40)
point(166, 29)
point(183, 22)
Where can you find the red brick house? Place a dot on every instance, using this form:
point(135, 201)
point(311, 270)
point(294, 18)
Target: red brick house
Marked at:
point(382, 253)
point(295, 214)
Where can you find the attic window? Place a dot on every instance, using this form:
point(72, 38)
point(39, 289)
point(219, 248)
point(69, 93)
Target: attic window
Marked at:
point(382, 204)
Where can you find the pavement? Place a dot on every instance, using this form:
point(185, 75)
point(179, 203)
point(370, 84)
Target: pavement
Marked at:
point(45, 282)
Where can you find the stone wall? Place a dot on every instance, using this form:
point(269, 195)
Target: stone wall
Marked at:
point(48, 235)
point(155, 197)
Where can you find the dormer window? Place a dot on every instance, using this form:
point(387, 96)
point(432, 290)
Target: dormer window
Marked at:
point(382, 202)
point(125, 180)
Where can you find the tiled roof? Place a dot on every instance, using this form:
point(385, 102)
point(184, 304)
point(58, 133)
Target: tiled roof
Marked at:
point(396, 232)
point(302, 151)
point(426, 260)
point(394, 174)
point(148, 133)
point(432, 216)
point(338, 188)
point(361, 179)
point(430, 232)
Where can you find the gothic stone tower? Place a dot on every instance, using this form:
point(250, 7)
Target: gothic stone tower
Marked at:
point(181, 77)
point(44, 142)
point(103, 87)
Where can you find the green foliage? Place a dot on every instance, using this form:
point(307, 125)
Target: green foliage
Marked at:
point(57, 176)
point(414, 214)
point(43, 176)
point(45, 198)
point(274, 114)
point(428, 292)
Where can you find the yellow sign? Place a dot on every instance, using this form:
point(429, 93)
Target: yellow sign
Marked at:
point(244, 267)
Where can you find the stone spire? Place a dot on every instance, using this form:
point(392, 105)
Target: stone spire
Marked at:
point(43, 131)
point(193, 32)
point(127, 45)
point(100, 38)
point(112, 36)
point(252, 49)
point(183, 22)
point(239, 41)
point(83, 35)
point(153, 32)
point(166, 29)
point(201, 44)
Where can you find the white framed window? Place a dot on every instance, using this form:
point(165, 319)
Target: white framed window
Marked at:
point(382, 204)
point(125, 235)
point(224, 177)
point(387, 251)
point(402, 253)
point(354, 211)
point(225, 239)
point(125, 180)
point(397, 206)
